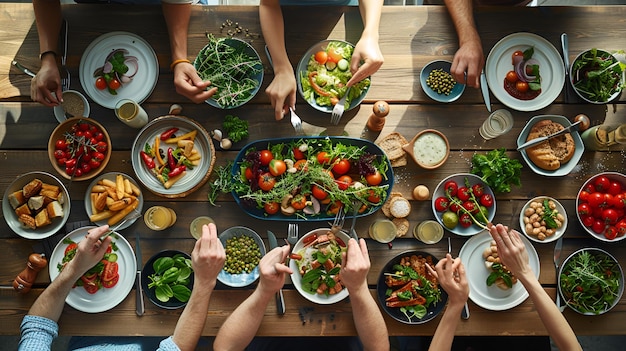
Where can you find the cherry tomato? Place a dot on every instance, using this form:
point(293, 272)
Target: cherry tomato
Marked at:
point(463, 193)
point(99, 156)
point(71, 163)
point(610, 216)
point(442, 203)
point(321, 57)
point(60, 144)
point(266, 181)
point(111, 283)
point(486, 200)
point(98, 135)
point(374, 178)
point(465, 220)
point(373, 197)
point(297, 154)
point(248, 174)
point(101, 84)
point(323, 158)
point(102, 146)
point(450, 187)
point(114, 84)
point(587, 220)
point(341, 167)
point(516, 53)
point(584, 196)
point(522, 87)
point(470, 207)
point(619, 201)
point(602, 183)
point(94, 163)
point(333, 56)
point(344, 182)
point(478, 190)
point(78, 172)
point(610, 232)
point(455, 207)
point(511, 77)
point(301, 165)
point(85, 167)
point(621, 227)
point(277, 167)
point(595, 200)
point(584, 209)
point(266, 157)
point(58, 154)
point(590, 188)
point(271, 207)
point(298, 202)
point(598, 226)
point(615, 188)
point(318, 192)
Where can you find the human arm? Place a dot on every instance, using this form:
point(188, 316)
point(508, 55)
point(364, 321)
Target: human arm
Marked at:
point(451, 276)
point(45, 87)
point(512, 252)
point(367, 49)
point(241, 326)
point(207, 260)
point(469, 58)
point(282, 89)
point(368, 320)
point(186, 79)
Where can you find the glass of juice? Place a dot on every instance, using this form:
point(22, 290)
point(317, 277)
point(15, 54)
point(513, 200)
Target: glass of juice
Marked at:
point(159, 217)
point(196, 225)
point(383, 231)
point(428, 232)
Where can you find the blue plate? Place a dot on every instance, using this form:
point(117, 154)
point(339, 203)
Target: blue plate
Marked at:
point(322, 216)
point(242, 279)
point(456, 92)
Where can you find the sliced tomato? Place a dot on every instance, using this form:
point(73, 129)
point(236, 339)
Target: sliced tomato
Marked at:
point(111, 283)
point(333, 56)
point(91, 288)
point(69, 248)
point(110, 270)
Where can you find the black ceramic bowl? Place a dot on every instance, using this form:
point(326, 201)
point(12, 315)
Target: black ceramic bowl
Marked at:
point(148, 270)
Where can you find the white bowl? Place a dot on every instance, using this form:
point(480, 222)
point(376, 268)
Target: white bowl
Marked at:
point(613, 176)
point(566, 168)
point(558, 233)
point(59, 111)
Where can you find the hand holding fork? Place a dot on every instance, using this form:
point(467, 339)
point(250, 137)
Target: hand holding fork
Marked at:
point(339, 108)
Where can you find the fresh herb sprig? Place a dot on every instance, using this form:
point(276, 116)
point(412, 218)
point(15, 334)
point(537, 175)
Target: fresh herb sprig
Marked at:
point(497, 170)
point(236, 128)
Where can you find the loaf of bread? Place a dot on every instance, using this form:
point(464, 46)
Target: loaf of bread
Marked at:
point(552, 153)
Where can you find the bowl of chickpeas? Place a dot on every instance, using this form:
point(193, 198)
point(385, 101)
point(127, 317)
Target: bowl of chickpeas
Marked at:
point(438, 83)
point(244, 249)
point(543, 219)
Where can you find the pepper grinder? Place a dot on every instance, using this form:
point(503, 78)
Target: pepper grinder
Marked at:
point(24, 281)
point(376, 122)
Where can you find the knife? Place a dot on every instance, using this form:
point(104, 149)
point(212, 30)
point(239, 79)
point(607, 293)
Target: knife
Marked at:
point(557, 263)
point(465, 314)
point(571, 128)
point(565, 49)
point(280, 301)
point(485, 90)
point(139, 290)
point(23, 69)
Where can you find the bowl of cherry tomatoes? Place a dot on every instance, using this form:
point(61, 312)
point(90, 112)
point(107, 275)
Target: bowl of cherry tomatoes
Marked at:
point(79, 148)
point(600, 206)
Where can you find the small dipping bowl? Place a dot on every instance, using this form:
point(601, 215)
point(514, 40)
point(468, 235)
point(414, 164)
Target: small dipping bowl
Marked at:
point(429, 148)
point(72, 102)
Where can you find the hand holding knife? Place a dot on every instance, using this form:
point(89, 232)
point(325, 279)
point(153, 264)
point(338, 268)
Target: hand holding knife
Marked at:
point(280, 301)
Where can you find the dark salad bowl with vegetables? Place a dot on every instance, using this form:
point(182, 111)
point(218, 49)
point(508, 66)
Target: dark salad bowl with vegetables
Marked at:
point(309, 178)
point(591, 281)
point(596, 76)
point(167, 279)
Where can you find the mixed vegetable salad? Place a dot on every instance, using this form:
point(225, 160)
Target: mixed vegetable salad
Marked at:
point(308, 178)
point(326, 75)
point(524, 81)
point(103, 275)
point(597, 74)
point(119, 68)
point(319, 263)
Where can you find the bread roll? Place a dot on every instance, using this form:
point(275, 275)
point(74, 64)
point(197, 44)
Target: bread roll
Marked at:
point(553, 153)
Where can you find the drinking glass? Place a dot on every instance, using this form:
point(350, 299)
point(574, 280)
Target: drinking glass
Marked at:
point(129, 112)
point(498, 123)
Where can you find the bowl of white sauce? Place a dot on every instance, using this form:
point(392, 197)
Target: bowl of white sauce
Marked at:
point(428, 148)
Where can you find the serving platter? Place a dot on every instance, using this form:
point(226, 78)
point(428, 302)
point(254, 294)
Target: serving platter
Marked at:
point(394, 312)
point(143, 82)
point(259, 213)
point(492, 297)
point(103, 299)
point(195, 177)
point(551, 70)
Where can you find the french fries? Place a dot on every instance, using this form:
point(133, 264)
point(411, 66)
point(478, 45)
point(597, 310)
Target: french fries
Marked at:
point(113, 200)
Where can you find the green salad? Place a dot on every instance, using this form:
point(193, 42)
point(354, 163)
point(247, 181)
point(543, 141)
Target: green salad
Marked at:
point(327, 73)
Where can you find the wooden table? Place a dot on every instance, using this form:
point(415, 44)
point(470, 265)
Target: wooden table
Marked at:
point(410, 37)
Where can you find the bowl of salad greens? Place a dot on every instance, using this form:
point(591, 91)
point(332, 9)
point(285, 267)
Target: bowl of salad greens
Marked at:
point(591, 281)
point(322, 75)
point(597, 76)
point(167, 279)
point(234, 67)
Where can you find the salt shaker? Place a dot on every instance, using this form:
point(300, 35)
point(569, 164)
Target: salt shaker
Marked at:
point(376, 122)
point(24, 281)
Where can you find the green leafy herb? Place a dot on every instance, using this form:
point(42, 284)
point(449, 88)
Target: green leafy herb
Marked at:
point(170, 278)
point(415, 311)
point(549, 215)
point(498, 271)
point(497, 170)
point(236, 128)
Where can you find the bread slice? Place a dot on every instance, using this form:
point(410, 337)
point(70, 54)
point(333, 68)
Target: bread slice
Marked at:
point(392, 144)
point(16, 199)
point(402, 226)
point(400, 207)
point(386, 207)
point(54, 209)
point(23, 209)
point(552, 153)
point(32, 188)
point(42, 219)
point(36, 202)
point(27, 220)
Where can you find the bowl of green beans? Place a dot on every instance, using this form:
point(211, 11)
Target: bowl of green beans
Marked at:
point(438, 83)
point(234, 67)
point(244, 249)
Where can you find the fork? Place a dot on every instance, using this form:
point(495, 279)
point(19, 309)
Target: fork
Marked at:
point(292, 234)
point(356, 204)
point(131, 216)
point(65, 81)
point(296, 122)
point(339, 108)
point(338, 222)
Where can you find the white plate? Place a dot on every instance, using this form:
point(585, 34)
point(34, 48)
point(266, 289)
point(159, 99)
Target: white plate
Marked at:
point(104, 299)
point(111, 176)
point(492, 297)
point(559, 232)
point(144, 80)
point(195, 177)
point(296, 278)
point(551, 69)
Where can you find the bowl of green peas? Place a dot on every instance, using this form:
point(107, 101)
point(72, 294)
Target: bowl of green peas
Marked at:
point(244, 249)
point(438, 83)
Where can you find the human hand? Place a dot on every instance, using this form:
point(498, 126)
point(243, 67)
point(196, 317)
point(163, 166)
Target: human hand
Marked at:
point(208, 256)
point(355, 263)
point(189, 84)
point(368, 52)
point(282, 93)
point(468, 60)
point(45, 87)
point(273, 269)
point(451, 276)
point(511, 250)
point(89, 251)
